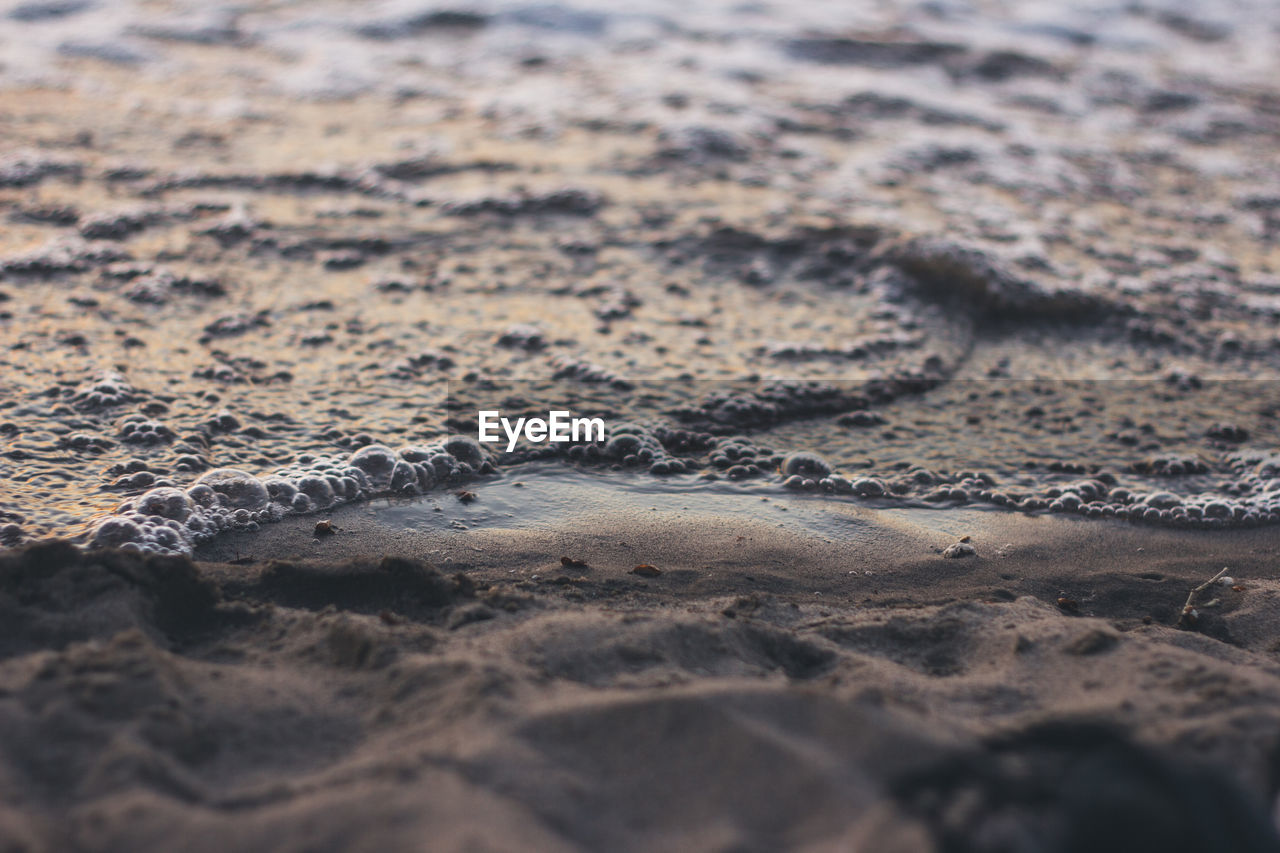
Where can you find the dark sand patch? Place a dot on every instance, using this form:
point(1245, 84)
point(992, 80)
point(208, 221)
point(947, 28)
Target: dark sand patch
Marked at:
point(773, 688)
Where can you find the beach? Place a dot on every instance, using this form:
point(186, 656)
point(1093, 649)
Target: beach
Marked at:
point(708, 426)
point(767, 690)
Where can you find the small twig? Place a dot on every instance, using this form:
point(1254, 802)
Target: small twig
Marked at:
point(1189, 614)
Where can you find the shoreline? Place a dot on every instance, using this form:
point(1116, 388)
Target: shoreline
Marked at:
point(900, 547)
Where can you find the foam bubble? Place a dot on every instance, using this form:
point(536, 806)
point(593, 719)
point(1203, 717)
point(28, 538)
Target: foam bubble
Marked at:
point(201, 495)
point(237, 489)
point(806, 464)
point(465, 449)
point(116, 533)
point(166, 502)
point(869, 487)
point(377, 463)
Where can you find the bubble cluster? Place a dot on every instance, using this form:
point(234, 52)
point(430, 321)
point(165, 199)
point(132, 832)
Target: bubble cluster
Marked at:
point(169, 520)
point(1251, 498)
point(329, 296)
point(107, 391)
point(1256, 500)
point(523, 336)
point(138, 429)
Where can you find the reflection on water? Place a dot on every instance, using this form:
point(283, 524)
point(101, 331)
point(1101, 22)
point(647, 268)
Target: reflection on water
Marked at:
point(537, 495)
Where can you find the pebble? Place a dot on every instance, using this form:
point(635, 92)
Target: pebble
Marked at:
point(959, 549)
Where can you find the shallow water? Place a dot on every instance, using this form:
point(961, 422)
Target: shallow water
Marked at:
point(536, 495)
point(261, 238)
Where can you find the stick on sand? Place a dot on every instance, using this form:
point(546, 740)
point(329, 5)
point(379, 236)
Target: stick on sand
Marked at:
point(1189, 615)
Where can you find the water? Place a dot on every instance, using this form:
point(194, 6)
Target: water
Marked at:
point(1022, 248)
point(536, 495)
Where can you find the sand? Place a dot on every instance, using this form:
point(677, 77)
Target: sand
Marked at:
point(1008, 270)
point(770, 689)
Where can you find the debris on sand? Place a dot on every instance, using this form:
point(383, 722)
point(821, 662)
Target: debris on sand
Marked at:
point(1190, 614)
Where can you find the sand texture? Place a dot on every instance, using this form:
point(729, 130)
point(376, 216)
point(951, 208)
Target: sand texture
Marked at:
point(879, 696)
point(938, 345)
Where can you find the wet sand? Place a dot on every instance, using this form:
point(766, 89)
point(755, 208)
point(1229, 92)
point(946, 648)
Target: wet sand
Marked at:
point(264, 238)
point(771, 688)
point(938, 346)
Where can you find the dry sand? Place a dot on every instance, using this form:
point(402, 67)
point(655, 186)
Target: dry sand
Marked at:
point(770, 689)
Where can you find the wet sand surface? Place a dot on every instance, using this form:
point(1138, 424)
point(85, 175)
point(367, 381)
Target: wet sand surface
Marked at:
point(261, 238)
point(772, 686)
point(938, 346)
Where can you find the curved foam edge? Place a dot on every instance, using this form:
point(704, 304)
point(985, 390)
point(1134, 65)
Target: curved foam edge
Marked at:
point(171, 520)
